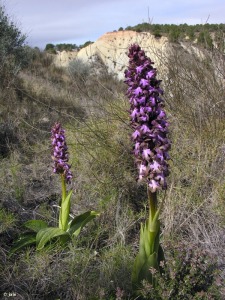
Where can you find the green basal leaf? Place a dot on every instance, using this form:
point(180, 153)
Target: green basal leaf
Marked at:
point(151, 262)
point(35, 225)
point(142, 242)
point(135, 271)
point(24, 241)
point(141, 269)
point(80, 221)
point(64, 212)
point(148, 256)
point(45, 235)
point(147, 240)
point(140, 258)
point(144, 252)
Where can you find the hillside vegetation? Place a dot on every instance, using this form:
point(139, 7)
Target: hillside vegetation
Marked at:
point(206, 35)
point(93, 108)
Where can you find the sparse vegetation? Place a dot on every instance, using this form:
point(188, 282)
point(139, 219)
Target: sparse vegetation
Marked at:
point(51, 48)
point(13, 55)
point(93, 110)
point(202, 33)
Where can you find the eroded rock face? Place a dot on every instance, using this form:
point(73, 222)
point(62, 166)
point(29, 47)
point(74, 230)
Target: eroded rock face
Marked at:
point(63, 58)
point(112, 49)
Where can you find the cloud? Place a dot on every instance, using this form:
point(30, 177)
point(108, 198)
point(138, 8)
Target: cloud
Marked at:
point(51, 21)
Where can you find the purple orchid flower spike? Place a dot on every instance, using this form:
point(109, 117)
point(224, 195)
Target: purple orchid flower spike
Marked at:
point(147, 118)
point(151, 144)
point(60, 154)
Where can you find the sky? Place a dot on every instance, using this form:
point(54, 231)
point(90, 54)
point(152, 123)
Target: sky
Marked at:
point(78, 21)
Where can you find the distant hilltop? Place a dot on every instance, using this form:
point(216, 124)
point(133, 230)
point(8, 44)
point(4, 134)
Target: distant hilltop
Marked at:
point(112, 48)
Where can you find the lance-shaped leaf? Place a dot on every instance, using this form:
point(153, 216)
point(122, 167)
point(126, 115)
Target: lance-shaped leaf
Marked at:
point(145, 272)
point(45, 235)
point(140, 258)
point(80, 221)
point(24, 241)
point(147, 257)
point(64, 212)
point(147, 240)
point(35, 225)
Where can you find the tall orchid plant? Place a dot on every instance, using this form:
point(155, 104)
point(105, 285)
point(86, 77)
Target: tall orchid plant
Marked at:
point(40, 233)
point(60, 158)
point(151, 145)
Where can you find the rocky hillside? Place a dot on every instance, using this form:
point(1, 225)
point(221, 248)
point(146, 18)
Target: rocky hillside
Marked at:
point(111, 48)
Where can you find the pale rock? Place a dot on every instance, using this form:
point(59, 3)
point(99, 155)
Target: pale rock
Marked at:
point(112, 49)
point(63, 58)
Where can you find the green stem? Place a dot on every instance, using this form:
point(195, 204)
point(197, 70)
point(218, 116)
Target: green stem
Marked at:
point(63, 187)
point(153, 222)
point(152, 198)
point(63, 198)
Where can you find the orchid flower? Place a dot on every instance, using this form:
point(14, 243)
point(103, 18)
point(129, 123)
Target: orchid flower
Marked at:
point(151, 145)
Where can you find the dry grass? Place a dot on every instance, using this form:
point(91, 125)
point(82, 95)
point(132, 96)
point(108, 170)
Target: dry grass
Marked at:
point(94, 112)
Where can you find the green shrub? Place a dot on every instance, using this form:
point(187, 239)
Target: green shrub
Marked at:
point(85, 44)
point(157, 34)
point(174, 34)
point(66, 47)
point(49, 47)
point(205, 39)
point(13, 53)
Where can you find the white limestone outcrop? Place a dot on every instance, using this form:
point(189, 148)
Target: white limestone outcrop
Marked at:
point(112, 49)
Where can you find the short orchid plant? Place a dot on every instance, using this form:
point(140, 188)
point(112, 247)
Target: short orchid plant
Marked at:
point(151, 145)
point(41, 234)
